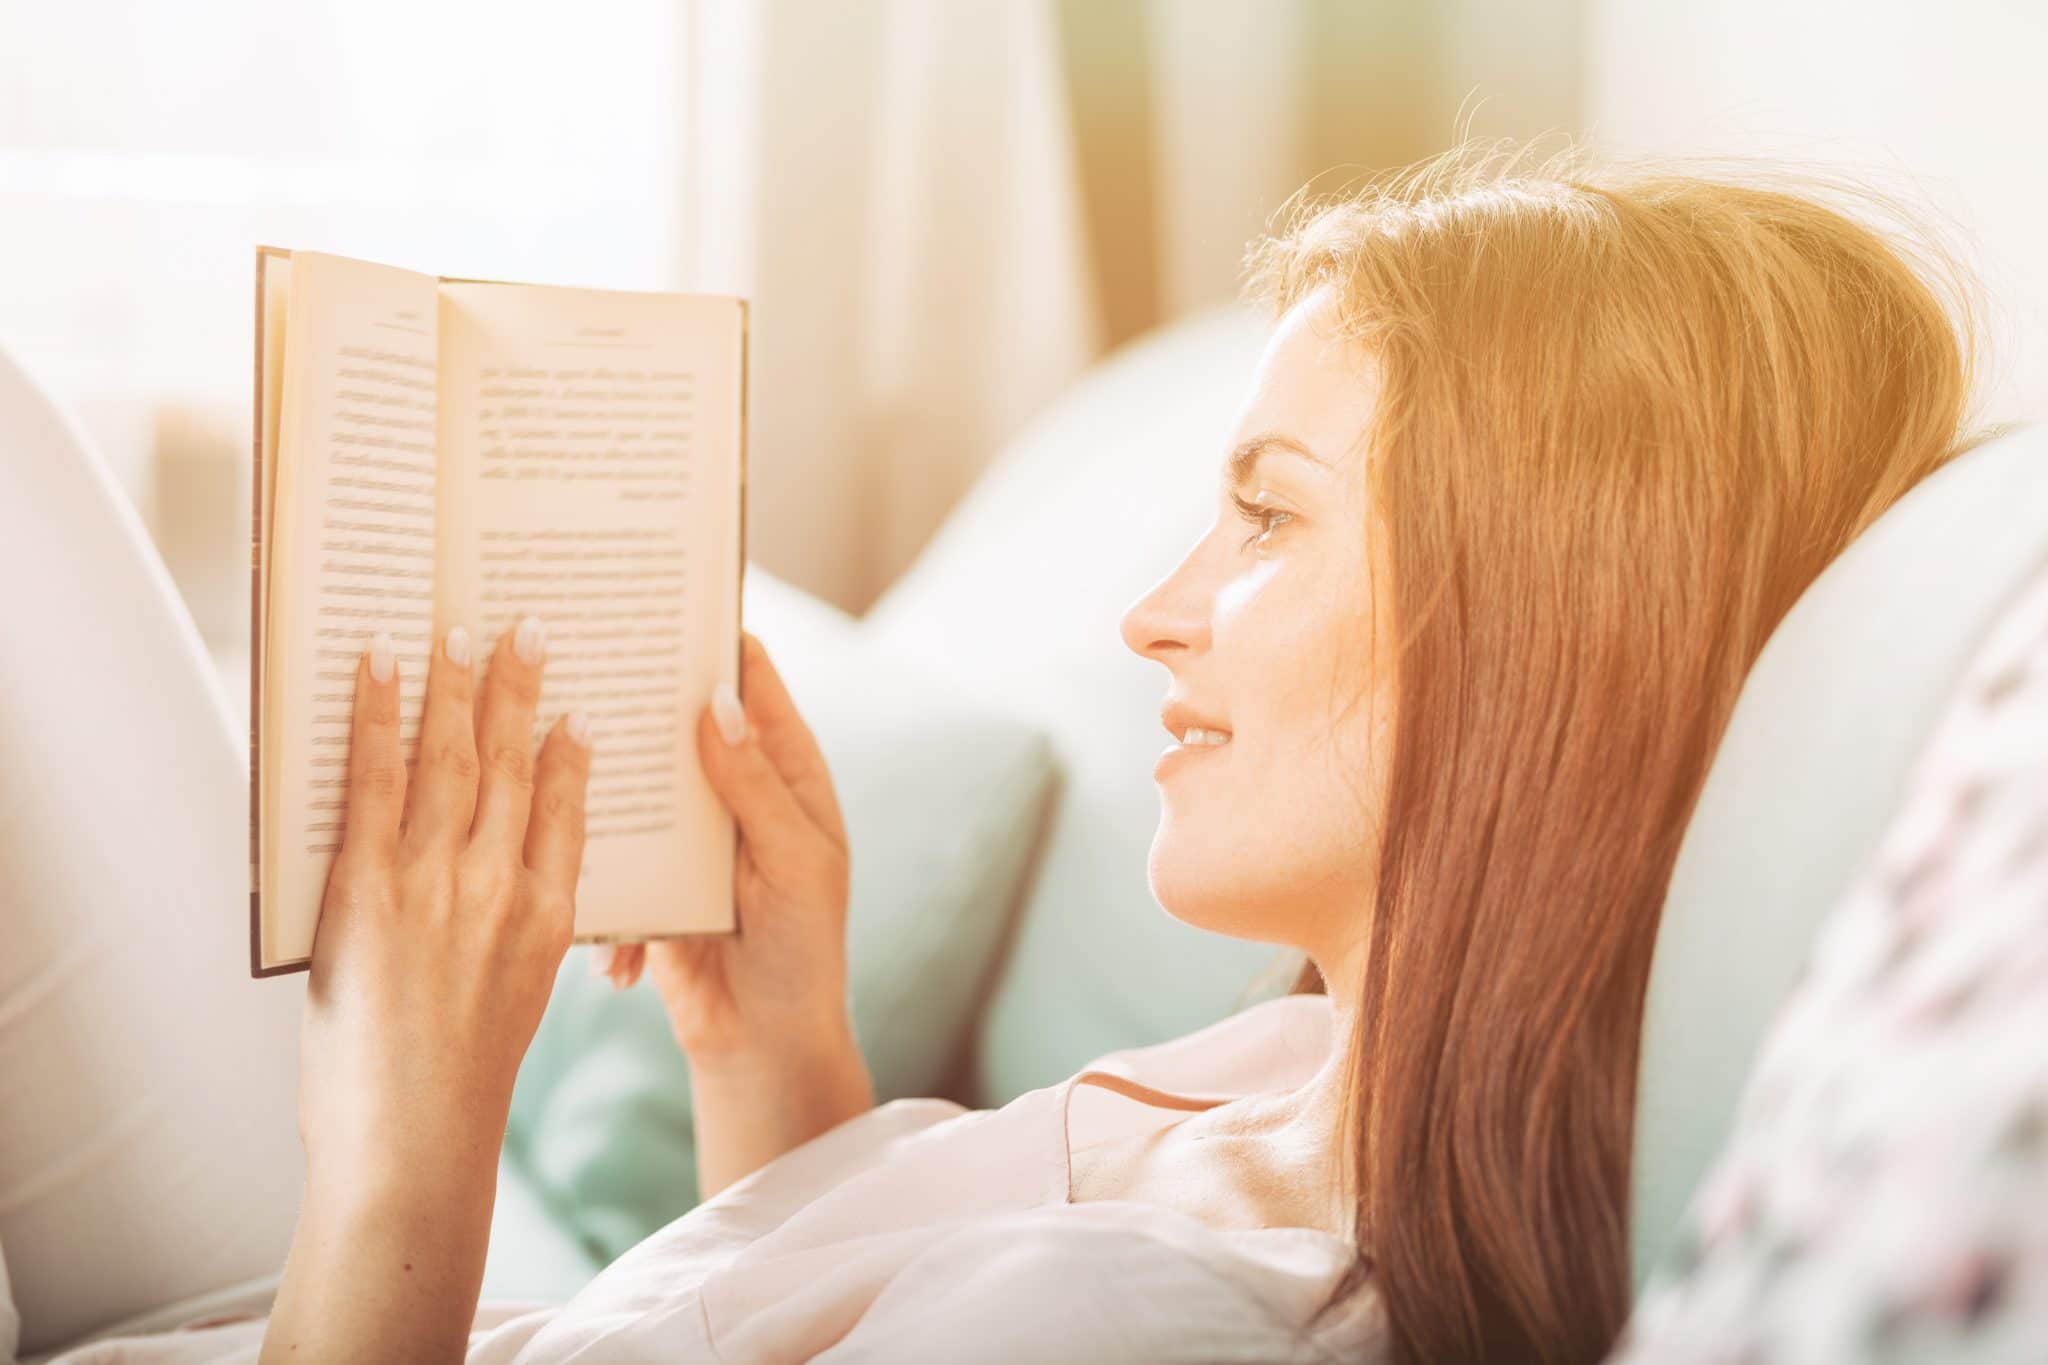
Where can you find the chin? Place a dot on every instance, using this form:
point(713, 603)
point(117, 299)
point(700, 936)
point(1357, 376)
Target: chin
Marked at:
point(1195, 882)
point(1259, 884)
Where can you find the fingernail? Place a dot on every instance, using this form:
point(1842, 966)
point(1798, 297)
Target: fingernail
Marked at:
point(730, 715)
point(601, 956)
point(531, 640)
point(457, 646)
point(383, 663)
point(579, 728)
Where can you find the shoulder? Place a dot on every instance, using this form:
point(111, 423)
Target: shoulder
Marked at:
point(1118, 1281)
point(1277, 1042)
point(830, 1158)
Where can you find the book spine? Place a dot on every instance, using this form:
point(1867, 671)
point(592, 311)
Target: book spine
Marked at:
point(256, 640)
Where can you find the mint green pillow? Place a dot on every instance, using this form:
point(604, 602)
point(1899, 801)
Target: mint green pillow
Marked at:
point(943, 802)
point(534, 1253)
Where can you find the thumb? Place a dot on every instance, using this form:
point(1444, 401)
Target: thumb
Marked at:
point(771, 820)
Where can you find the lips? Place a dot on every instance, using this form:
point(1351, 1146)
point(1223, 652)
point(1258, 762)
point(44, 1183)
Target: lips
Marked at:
point(1177, 755)
point(1195, 737)
point(1179, 718)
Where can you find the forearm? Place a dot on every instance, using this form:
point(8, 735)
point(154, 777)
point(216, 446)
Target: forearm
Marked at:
point(385, 1267)
point(748, 1110)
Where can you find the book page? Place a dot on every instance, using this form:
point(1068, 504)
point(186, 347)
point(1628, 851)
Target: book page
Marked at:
point(353, 552)
point(591, 474)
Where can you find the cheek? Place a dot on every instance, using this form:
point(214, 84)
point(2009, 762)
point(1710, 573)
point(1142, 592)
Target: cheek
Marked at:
point(1303, 672)
point(1311, 785)
point(1293, 814)
point(1243, 602)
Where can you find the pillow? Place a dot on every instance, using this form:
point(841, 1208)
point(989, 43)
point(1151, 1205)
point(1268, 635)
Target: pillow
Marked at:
point(535, 1253)
point(124, 789)
point(1815, 759)
point(1883, 1193)
point(943, 802)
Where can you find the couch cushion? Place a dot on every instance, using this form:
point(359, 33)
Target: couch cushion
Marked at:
point(1884, 1192)
point(943, 800)
point(535, 1253)
point(149, 1080)
point(1019, 597)
point(1814, 760)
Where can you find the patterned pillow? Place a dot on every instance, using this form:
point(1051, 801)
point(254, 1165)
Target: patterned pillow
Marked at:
point(1884, 1195)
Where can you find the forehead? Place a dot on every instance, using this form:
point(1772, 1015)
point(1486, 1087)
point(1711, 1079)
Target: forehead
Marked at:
point(1311, 385)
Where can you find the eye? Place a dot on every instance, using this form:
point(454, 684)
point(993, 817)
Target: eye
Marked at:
point(1265, 517)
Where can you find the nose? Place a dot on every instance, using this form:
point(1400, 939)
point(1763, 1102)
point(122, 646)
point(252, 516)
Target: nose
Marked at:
point(1170, 621)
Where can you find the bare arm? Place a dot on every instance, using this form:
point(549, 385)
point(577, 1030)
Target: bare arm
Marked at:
point(447, 913)
point(747, 1113)
point(385, 1269)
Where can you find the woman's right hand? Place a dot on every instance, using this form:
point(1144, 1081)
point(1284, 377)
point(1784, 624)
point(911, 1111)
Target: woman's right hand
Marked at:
point(762, 1014)
point(779, 984)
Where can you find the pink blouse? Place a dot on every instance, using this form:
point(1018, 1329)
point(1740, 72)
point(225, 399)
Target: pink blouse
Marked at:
point(922, 1230)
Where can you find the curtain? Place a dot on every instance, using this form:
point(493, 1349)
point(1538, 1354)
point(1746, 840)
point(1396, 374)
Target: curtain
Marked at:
point(944, 212)
point(894, 186)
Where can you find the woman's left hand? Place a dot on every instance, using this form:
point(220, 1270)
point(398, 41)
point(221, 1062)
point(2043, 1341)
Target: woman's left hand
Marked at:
point(448, 910)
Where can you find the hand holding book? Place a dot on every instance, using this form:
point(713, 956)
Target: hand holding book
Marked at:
point(449, 906)
point(763, 1015)
point(434, 452)
point(446, 914)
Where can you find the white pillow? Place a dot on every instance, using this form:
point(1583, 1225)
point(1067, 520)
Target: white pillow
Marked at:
point(133, 1041)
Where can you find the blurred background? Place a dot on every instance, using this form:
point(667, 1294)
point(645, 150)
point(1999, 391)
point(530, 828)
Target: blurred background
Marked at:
point(943, 211)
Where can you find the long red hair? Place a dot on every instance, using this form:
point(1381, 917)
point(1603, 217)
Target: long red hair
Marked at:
point(1625, 416)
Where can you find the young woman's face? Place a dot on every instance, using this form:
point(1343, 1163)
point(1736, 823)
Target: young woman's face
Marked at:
point(1269, 631)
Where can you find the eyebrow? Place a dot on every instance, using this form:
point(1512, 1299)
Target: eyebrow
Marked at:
point(1245, 458)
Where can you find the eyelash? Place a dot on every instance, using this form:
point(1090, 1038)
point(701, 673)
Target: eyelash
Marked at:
point(1265, 516)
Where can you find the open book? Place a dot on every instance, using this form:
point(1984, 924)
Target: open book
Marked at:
point(432, 452)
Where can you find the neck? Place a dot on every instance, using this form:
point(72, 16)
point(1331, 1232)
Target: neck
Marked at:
point(1298, 1146)
point(1315, 1111)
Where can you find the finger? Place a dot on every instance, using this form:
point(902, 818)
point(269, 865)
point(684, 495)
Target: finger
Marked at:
point(787, 739)
point(618, 963)
point(770, 818)
point(504, 737)
point(442, 802)
point(376, 761)
point(554, 832)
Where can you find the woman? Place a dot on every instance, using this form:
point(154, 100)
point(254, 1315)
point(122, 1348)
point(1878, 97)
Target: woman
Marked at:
point(1531, 467)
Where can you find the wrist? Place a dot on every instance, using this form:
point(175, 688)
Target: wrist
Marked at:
point(820, 1030)
point(386, 1261)
point(822, 1046)
point(403, 1160)
point(393, 1195)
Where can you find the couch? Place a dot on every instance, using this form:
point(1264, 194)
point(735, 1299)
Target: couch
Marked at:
point(992, 740)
